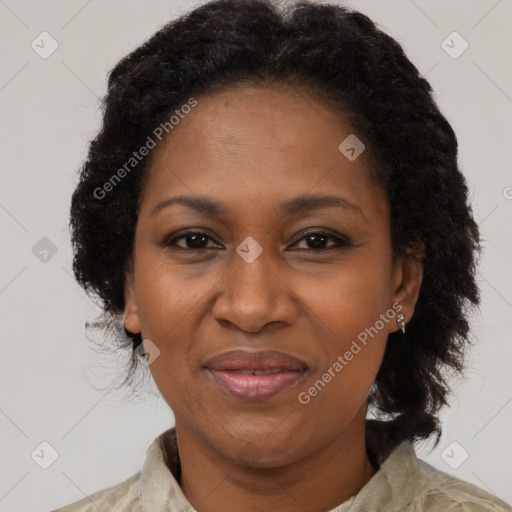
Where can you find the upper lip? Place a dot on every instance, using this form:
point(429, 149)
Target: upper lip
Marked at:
point(260, 360)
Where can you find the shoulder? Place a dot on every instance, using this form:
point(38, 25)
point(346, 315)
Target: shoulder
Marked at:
point(407, 483)
point(440, 491)
point(119, 498)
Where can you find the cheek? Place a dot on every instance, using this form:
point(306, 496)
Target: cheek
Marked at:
point(350, 312)
point(171, 307)
point(164, 302)
point(351, 297)
point(168, 309)
point(167, 296)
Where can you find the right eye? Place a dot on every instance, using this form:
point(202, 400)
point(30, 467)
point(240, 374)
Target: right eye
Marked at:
point(193, 240)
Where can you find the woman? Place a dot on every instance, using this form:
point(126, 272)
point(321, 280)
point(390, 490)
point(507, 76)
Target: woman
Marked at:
point(273, 207)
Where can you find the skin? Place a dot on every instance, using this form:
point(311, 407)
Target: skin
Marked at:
point(253, 148)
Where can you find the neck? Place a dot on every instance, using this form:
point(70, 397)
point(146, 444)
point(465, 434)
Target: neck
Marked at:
point(321, 481)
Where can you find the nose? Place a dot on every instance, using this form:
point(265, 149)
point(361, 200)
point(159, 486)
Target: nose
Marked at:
point(255, 295)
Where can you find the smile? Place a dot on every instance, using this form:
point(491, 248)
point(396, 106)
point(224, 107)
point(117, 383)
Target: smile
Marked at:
point(255, 375)
point(256, 384)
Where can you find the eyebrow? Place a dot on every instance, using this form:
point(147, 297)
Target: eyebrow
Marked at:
point(304, 203)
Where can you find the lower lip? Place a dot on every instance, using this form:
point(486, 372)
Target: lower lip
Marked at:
point(255, 387)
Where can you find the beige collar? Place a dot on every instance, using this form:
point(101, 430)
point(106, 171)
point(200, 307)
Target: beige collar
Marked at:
point(160, 491)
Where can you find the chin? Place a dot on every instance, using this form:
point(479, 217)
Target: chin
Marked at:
point(259, 444)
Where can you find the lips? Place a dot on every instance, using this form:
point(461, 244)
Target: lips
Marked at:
point(255, 375)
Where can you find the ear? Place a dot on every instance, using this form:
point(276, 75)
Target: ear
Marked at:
point(406, 282)
point(131, 313)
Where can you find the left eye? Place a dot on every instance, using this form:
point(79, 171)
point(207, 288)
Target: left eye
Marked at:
point(318, 240)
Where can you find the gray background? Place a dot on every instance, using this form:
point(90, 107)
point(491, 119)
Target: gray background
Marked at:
point(50, 377)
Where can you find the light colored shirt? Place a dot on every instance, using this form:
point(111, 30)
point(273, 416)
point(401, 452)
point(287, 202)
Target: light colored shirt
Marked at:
point(403, 483)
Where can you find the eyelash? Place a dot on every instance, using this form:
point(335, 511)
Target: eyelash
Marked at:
point(341, 242)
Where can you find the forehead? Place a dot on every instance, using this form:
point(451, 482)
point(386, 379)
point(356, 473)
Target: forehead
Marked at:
point(259, 142)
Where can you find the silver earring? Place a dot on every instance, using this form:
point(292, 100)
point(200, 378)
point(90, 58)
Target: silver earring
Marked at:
point(401, 322)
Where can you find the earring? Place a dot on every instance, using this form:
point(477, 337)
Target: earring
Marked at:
point(401, 322)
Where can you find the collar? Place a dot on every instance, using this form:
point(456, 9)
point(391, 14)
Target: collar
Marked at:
point(159, 490)
point(391, 486)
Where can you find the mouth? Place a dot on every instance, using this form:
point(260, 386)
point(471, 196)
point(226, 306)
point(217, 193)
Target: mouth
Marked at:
point(255, 375)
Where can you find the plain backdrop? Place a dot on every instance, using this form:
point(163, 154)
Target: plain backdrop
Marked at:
point(50, 376)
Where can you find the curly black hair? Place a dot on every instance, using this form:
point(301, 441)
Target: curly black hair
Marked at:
point(343, 58)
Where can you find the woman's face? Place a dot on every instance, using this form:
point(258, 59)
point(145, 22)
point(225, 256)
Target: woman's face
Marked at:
point(294, 283)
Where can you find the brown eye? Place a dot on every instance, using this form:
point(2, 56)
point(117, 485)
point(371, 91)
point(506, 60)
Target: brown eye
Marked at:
point(193, 240)
point(317, 241)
